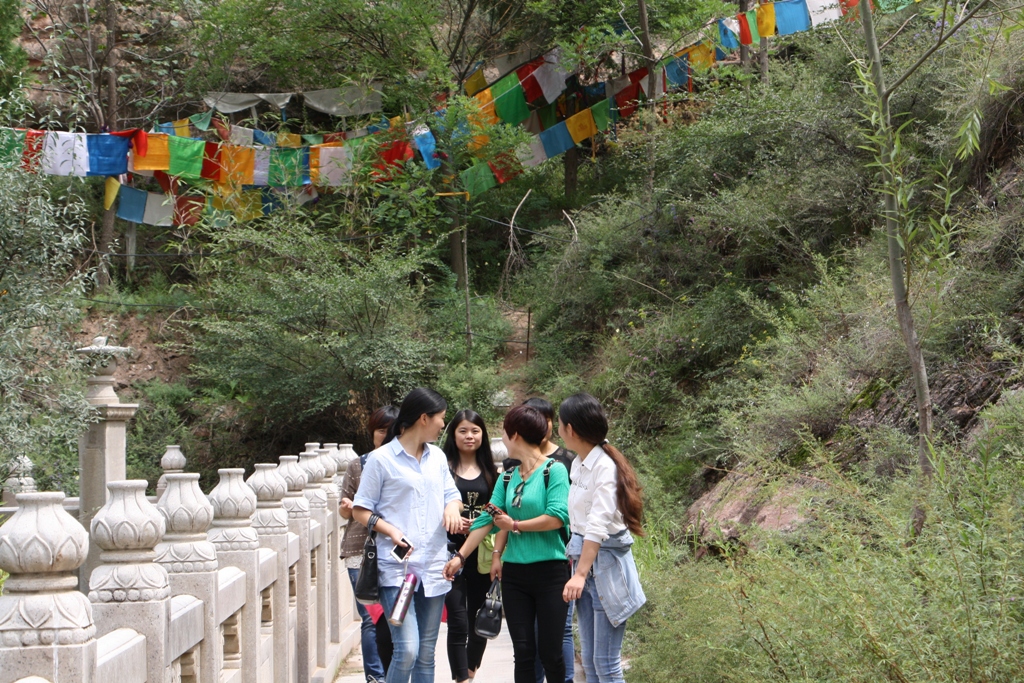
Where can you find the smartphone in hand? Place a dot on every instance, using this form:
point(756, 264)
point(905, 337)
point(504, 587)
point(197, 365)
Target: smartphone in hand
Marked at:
point(493, 510)
point(400, 552)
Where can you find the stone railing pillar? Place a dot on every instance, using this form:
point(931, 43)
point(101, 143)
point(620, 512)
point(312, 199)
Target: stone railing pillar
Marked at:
point(191, 560)
point(46, 624)
point(310, 461)
point(271, 524)
point(128, 588)
point(297, 506)
point(20, 481)
point(333, 554)
point(101, 450)
point(172, 462)
point(237, 545)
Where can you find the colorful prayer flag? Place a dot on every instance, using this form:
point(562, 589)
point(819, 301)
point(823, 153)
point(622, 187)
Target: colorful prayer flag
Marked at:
point(132, 206)
point(110, 188)
point(509, 100)
point(557, 140)
point(186, 158)
point(478, 179)
point(157, 156)
point(581, 126)
point(602, 114)
point(766, 19)
point(108, 154)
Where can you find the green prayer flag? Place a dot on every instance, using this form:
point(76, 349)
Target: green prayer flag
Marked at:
point(602, 114)
point(478, 179)
point(510, 100)
point(12, 146)
point(548, 116)
point(186, 157)
point(286, 166)
point(752, 22)
point(202, 121)
point(314, 139)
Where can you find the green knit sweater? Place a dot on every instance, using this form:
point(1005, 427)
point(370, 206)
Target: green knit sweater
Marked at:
point(532, 546)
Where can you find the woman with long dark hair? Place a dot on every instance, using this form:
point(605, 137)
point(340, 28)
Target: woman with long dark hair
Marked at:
point(408, 491)
point(374, 666)
point(469, 457)
point(605, 508)
point(532, 505)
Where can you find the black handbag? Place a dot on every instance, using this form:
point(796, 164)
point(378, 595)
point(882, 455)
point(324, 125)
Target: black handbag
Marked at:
point(488, 619)
point(367, 589)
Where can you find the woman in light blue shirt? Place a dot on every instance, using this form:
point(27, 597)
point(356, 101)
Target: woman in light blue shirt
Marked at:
point(408, 484)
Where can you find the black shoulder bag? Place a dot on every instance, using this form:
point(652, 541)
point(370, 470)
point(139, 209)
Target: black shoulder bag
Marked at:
point(367, 590)
point(488, 619)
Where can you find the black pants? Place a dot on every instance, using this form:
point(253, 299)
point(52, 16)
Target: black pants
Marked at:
point(385, 648)
point(465, 647)
point(532, 595)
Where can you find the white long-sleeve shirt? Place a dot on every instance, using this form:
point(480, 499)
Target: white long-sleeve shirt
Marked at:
point(593, 507)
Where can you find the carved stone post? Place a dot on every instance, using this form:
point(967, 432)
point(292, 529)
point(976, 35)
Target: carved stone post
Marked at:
point(333, 543)
point(172, 462)
point(191, 560)
point(298, 523)
point(101, 450)
point(271, 524)
point(498, 452)
point(46, 625)
point(20, 481)
point(129, 589)
point(309, 460)
point(237, 545)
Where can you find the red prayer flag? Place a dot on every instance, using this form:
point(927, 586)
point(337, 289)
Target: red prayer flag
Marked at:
point(138, 137)
point(165, 182)
point(32, 150)
point(334, 137)
point(745, 36)
point(626, 99)
point(223, 129)
point(211, 162)
point(638, 75)
point(531, 88)
point(188, 209)
point(391, 154)
point(505, 167)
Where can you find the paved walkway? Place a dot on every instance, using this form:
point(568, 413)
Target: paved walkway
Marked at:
point(497, 666)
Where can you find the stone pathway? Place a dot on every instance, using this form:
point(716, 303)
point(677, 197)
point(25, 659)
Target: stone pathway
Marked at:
point(497, 666)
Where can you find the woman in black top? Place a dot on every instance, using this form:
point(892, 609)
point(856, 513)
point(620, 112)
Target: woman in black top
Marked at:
point(469, 456)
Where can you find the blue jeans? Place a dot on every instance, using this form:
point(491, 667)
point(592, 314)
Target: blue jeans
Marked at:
point(600, 642)
point(568, 651)
point(414, 640)
point(372, 666)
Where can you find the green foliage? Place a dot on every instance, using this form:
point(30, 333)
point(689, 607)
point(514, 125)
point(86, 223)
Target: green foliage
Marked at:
point(160, 421)
point(42, 407)
point(12, 58)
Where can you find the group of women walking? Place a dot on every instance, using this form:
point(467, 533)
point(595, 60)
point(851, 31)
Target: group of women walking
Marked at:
point(554, 528)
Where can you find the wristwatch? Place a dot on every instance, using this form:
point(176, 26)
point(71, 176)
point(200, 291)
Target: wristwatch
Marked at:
point(515, 526)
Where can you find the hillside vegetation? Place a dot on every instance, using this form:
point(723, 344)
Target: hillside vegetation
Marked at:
point(717, 274)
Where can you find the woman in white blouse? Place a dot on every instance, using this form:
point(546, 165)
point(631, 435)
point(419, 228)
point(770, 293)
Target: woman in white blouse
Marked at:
point(604, 508)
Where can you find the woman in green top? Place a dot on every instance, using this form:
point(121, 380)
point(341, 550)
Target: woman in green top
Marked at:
point(533, 499)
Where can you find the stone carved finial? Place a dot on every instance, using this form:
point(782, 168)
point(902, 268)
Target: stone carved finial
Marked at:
point(41, 546)
point(188, 514)
point(100, 387)
point(346, 454)
point(498, 451)
point(234, 504)
point(329, 464)
point(172, 462)
point(20, 481)
point(127, 529)
point(270, 488)
point(309, 461)
point(295, 477)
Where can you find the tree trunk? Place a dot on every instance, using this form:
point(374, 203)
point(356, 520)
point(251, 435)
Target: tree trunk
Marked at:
point(572, 165)
point(652, 82)
point(109, 215)
point(455, 247)
point(763, 60)
point(465, 288)
point(904, 315)
point(744, 49)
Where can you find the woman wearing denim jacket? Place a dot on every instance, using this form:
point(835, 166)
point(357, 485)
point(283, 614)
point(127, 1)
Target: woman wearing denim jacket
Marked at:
point(604, 507)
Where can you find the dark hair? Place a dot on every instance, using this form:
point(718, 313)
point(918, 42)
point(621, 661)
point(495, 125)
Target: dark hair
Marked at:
point(381, 418)
point(527, 422)
point(484, 458)
point(543, 405)
point(585, 414)
point(420, 401)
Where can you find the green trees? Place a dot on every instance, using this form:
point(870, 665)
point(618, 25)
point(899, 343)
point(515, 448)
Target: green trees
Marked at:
point(12, 57)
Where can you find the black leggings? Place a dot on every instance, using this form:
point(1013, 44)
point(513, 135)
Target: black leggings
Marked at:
point(465, 647)
point(532, 597)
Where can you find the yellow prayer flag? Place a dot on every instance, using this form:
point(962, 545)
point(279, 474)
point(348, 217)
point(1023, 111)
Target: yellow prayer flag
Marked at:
point(703, 55)
point(487, 115)
point(238, 164)
point(476, 82)
point(249, 206)
point(289, 140)
point(110, 189)
point(581, 126)
point(158, 154)
point(766, 20)
point(182, 129)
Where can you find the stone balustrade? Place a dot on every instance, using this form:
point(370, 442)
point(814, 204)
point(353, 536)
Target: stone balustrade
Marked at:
point(243, 585)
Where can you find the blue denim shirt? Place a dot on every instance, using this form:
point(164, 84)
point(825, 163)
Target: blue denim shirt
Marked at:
point(411, 495)
point(615, 575)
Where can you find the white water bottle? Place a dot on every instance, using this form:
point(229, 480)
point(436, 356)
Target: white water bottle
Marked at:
point(404, 598)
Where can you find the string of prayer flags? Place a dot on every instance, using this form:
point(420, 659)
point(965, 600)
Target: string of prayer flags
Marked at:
point(510, 100)
point(289, 139)
point(766, 19)
point(261, 166)
point(626, 100)
point(505, 167)
point(132, 204)
point(241, 136)
point(110, 190)
point(477, 179)
point(239, 165)
point(791, 16)
point(202, 120)
point(823, 11)
point(264, 138)
point(748, 28)
point(550, 76)
point(351, 100)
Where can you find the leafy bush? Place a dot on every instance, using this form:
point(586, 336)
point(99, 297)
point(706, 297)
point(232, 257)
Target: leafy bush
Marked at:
point(159, 421)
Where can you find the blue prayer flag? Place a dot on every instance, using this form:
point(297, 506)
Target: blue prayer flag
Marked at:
point(427, 145)
point(132, 204)
point(556, 140)
point(727, 37)
point(108, 154)
point(261, 137)
point(678, 71)
point(792, 17)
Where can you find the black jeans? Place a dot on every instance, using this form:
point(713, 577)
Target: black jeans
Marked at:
point(532, 595)
point(465, 647)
